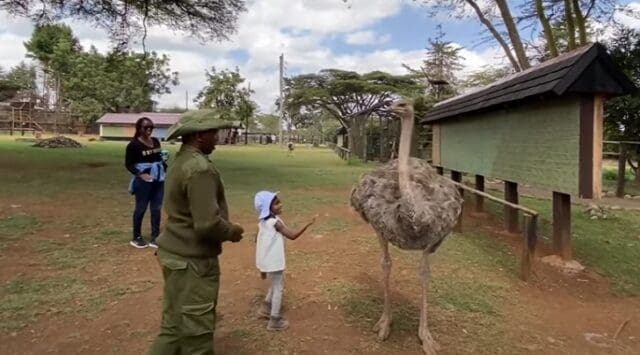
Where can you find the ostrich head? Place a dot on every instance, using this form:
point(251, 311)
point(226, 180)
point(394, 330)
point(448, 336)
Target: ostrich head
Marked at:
point(403, 109)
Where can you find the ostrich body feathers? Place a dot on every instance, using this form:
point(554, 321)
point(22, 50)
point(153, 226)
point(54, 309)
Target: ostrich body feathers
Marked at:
point(417, 220)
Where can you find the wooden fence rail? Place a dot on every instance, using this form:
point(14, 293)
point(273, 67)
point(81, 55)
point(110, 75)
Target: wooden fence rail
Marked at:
point(530, 231)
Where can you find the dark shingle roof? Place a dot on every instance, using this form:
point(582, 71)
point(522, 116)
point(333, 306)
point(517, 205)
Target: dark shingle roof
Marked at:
point(588, 69)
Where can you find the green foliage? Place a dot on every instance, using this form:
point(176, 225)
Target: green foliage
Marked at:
point(48, 39)
point(224, 92)
point(266, 123)
point(213, 19)
point(622, 114)
point(438, 70)
point(21, 79)
point(485, 76)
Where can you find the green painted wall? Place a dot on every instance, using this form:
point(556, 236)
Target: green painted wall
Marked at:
point(118, 131)
point(535, 144)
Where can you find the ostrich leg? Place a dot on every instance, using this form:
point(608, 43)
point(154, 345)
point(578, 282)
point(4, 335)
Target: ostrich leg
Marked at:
point(429, 346)
point(383, 327)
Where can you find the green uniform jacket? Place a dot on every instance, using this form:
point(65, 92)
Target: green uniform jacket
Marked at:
point(194, 200)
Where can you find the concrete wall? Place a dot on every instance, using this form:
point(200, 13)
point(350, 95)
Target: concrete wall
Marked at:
point(535, 143)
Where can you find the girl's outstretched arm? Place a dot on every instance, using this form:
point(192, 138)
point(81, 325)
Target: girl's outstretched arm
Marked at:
point(290, 233)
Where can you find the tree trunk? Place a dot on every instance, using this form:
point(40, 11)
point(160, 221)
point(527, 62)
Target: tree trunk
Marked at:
point(514, 35)
point(571, 30)
point(548, 32)
point(356, 140)
point(580, 22)
point(505, 47)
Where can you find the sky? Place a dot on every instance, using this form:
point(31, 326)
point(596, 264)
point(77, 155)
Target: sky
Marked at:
point(359, 35)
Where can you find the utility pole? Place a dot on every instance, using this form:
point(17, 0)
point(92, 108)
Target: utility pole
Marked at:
point(246, 128)
point(281, 94)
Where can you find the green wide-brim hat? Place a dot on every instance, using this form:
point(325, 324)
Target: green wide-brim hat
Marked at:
point(197, 121)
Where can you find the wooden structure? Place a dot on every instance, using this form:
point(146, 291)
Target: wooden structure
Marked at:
point(19, 117)
point(541, 127)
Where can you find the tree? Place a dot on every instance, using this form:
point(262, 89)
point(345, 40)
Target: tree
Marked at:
point(439, 68)
point(225, 93)
point(503, 26)
point(53, 46)
point(267, 123)
point(622, 114)
point(349, 97)
point(485, 76)
point(116, 82)
point(207, 20)
point(23, 76)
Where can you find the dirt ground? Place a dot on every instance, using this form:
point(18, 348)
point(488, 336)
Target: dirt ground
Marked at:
point(554, 314)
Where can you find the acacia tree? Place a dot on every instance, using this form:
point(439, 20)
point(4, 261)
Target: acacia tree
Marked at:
point(206, 20)
point(505, 28)
point(349, 97)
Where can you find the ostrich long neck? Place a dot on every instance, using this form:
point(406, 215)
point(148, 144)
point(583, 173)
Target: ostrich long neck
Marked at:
point(404, 150)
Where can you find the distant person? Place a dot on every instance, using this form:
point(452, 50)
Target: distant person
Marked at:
point(144, 159)
point(197, 225)
point(270, 256)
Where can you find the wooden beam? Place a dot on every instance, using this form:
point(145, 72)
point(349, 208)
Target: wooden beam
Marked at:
point(510, 214)
point(435, 144)
point(562, 225)
point(598, 146)
point(479, 198)
point(528, 247)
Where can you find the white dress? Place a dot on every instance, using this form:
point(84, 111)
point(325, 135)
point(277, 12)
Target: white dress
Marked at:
point(269, 246)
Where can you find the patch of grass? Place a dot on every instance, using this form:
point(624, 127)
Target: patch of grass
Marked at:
point(22, 300)
point(609, 246)
point(447, 320)
point(14, 227)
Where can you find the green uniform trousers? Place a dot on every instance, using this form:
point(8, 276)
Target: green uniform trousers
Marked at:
point(188, 305)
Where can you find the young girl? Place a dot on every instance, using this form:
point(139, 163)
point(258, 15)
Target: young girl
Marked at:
point(270, 254)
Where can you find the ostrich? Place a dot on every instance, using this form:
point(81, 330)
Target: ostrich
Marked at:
point(412, 207)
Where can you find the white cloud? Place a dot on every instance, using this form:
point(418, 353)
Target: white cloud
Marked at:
point(298, 28)
point(366, 37)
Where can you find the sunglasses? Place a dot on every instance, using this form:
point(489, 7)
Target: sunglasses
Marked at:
point(147, 127)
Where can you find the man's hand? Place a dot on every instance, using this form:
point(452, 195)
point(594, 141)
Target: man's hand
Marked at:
point(236, 233)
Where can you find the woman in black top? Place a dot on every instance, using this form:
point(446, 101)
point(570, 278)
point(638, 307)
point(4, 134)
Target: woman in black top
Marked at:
point(144, 160)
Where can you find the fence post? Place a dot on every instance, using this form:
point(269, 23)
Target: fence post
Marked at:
point(528, 246)
point(622, 167)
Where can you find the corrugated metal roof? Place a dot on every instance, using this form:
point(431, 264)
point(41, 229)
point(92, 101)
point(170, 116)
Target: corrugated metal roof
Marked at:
point(588, 69)
point(158, 118)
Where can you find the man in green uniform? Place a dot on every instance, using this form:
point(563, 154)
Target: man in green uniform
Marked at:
point(197, 225)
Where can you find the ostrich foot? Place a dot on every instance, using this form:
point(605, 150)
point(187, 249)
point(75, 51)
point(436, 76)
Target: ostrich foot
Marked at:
point(429, 346)
point(383, 327)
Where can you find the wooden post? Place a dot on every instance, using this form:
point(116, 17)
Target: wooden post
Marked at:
point(562, 225)
point(622, 167)
point(479, 199)
point(440, 170)
point(457, 177)
point(528, 247)
point(511, 214)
